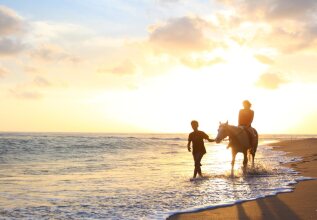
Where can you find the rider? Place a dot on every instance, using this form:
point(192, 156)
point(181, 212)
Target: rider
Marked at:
point(246, 115)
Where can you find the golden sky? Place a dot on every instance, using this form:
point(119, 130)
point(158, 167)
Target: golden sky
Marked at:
point(153, 66)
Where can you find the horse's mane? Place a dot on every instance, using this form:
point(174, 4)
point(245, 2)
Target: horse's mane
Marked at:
point(235, 129)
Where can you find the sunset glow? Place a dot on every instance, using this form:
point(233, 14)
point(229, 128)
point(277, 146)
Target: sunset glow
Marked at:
point(153, 66)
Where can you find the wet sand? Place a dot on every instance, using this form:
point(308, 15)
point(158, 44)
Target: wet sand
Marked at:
point(299, 204)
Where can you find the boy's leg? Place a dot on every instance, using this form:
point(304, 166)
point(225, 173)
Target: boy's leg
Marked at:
point(195, 173)
point(199, 165)
point(195, 170)
point(197, 159)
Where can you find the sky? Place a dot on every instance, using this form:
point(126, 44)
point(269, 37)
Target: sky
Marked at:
point(154, 65)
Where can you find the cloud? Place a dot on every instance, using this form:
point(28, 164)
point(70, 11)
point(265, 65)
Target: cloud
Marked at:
point(12, 27)
point(168, 1)
point(20, 94)
point(10, 46)
point(286, 40)
point(29, 90)
point(45, 32)
point(199, 63)
point(291, 24)
point(39, 37)
point(41, 82)
point(10, 22)
point(290, 9)
point(270, 81)
point(273, 9)
point(51, 52)
point(3, 72)
point(30, 69)
point(180, 35)
point(264, 59)
point(124, 68)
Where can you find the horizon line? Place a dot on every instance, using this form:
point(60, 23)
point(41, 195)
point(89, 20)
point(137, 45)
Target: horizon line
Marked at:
point(89, 132)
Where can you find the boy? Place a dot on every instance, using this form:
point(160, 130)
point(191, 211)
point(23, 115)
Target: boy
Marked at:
point(197, 137)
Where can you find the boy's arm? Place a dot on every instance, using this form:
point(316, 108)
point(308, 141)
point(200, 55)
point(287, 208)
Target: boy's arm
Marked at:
point(211, 140)
point(188, 145)
point(208, 139)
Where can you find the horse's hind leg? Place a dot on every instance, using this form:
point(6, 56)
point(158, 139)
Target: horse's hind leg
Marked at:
point(249, 154)
point(253, 156)
point(245, 159)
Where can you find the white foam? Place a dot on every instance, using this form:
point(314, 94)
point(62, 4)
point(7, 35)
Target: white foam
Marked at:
point(230, 203)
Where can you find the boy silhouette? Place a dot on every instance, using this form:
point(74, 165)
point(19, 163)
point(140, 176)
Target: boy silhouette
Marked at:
point(197, 137)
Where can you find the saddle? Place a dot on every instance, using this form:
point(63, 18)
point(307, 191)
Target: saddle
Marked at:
point(253, 137)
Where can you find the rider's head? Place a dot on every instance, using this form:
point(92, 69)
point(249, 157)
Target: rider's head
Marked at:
point(194, 124)
point(246, 104)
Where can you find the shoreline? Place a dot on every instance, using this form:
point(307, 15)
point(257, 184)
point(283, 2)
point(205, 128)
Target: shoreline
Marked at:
point(301, 203)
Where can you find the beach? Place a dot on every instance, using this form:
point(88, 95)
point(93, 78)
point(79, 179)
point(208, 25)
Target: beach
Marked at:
point(299, 204)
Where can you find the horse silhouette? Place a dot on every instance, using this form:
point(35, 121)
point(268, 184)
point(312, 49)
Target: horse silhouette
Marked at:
point(239, 141)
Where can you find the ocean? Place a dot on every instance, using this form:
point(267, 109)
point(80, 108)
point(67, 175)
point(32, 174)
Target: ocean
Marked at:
point(128, 176)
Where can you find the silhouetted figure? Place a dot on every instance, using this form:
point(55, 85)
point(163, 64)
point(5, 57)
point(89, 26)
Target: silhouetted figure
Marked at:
point(197, 137)
point(246, 115)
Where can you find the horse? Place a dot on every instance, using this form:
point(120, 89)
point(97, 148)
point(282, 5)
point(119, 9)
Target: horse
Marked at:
point(239, 141)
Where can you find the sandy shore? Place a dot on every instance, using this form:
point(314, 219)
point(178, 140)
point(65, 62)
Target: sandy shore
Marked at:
point(300, 204)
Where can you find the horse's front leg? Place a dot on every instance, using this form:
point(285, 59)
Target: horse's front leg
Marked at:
point(234, 153)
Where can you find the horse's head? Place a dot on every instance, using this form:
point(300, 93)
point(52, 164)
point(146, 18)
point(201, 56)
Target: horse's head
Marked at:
point(222, 132)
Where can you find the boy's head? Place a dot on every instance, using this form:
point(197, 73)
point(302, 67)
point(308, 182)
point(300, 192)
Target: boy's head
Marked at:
point(194, 124)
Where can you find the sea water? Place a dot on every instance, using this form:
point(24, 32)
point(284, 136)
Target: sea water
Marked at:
point(127, 176)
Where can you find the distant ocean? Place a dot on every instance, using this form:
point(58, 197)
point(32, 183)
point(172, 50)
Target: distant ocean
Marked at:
point(127, 176)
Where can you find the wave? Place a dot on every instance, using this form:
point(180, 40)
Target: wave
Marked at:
point(168, 139)
point(238, 201)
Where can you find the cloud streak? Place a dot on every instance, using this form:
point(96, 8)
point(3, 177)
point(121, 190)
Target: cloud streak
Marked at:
point(30, 90)
point(270, 81)
point(28, 95)
point(124, 68)
point(264, 59)
point(199, 63)
point(3, 72)
point(41, 82)
point(50, 52)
